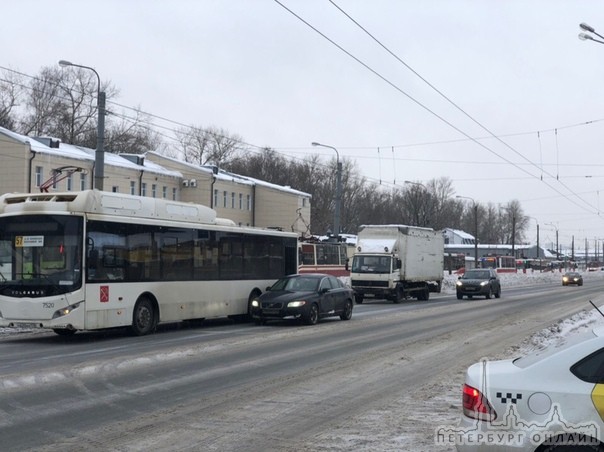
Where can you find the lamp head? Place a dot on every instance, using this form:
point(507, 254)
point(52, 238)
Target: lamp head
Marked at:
point(586, 27)
point(65, 63)
point(314, 143)
point(585, 37)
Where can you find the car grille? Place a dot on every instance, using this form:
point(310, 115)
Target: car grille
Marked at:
point(269, 305)
point(361, 283)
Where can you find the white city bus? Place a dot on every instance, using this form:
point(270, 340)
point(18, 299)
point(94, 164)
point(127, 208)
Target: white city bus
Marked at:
point(90, 260)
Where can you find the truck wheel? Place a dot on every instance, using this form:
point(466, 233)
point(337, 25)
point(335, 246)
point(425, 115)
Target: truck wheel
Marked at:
point(426, 294)
point(399, 295)
point(358, 298)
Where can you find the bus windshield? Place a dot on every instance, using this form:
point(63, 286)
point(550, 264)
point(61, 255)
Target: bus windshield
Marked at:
point(40, 255)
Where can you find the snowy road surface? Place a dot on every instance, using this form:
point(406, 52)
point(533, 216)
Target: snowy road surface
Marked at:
point(379, 382)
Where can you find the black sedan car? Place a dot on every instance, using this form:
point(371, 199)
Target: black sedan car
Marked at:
point(479, 281)
point(572, 278)
point(308, 297)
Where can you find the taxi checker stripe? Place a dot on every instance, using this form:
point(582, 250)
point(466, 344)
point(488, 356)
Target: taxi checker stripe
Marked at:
point(508, 396)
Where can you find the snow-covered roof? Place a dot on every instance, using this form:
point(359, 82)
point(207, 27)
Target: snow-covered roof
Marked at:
point(460, 233)
point(231, 177)
point(82, 153)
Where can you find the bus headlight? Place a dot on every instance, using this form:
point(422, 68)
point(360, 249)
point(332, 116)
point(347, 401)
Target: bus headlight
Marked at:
point(296, 304)
point(64, 311)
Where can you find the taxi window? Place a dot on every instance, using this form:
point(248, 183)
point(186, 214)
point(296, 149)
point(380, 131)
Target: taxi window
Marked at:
point(590, 368)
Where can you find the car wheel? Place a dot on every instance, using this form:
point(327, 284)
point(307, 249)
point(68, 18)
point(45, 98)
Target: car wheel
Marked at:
point(489, 293)
point(347, 312)
point(459, 296)
point(312, 316)
point(498, 293)
point(143, 317)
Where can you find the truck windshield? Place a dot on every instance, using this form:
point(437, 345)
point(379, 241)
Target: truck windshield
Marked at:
point(40, 255)
point(372, 264)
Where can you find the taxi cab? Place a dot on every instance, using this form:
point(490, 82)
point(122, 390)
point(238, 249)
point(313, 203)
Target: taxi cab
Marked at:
point(549, 400)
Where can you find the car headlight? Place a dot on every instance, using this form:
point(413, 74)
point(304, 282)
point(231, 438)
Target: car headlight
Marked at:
point(255, 303)
point(296, 304)
point(484, 283)
point(565, 279)
point(459, 283)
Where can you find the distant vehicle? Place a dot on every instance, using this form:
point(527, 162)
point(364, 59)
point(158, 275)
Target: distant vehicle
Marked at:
point(549, 400)
point(308, 297)
point(395, 262)
point(324, 257)
point(572, 278)
point(479, 281)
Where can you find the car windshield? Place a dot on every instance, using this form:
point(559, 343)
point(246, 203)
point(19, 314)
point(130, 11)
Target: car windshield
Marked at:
point(476, 274)
point(572, 275)
point(297, 284)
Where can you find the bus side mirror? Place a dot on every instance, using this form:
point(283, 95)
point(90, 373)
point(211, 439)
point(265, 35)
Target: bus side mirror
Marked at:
point(346, 265)
point(399, 264)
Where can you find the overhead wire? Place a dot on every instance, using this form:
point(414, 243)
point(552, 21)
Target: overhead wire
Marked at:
point(454, 105)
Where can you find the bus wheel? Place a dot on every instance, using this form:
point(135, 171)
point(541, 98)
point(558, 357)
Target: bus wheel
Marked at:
point(143, 317)
point(64, 331)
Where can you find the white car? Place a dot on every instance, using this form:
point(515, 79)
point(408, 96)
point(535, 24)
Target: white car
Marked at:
point(550, 400)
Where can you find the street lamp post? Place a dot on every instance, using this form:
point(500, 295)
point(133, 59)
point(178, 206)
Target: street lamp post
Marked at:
point(588, 37)
point(336, 216)
point(557, 249)
point(99, 156)
point(475, 228)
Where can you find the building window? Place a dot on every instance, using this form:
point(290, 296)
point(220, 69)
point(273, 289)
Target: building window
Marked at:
point(144, 189)
point(249, 202)
point(132, 187)
point(115, 189)
point(303, 202)
point(232, 200)
point(164, 192)
point(70, 182)
point(82, 181)
point(240, 201)
point(224, 200)
point(153, 190)
point(215, 198)
point(174, 193)
point(39, 170)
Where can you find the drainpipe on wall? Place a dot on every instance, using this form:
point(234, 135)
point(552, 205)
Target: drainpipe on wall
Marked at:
point(33, 155)
point(254, 205)
point(212, 192)
point(140, 184)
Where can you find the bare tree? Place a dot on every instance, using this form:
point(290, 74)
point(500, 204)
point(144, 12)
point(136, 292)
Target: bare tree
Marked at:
point(10, 94)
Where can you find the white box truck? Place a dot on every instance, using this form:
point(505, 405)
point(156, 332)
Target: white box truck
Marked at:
point(396, 262)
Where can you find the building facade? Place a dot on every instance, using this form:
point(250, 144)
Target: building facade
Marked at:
point(34, 164)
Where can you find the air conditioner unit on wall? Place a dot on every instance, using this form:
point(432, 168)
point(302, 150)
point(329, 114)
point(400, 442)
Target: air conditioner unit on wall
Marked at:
point(185, 183)
point(193, 182)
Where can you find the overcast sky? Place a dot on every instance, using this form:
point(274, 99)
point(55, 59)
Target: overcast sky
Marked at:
point(254, 69)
